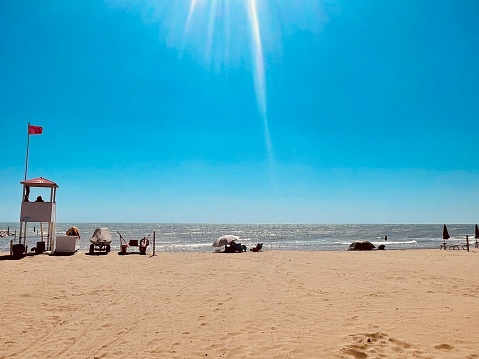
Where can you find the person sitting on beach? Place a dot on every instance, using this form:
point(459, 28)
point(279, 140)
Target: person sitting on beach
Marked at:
point(257, 248)
point(39, 199)
point(238, 247)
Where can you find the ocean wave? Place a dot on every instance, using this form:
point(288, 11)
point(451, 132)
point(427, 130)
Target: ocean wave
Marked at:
point(200, 237)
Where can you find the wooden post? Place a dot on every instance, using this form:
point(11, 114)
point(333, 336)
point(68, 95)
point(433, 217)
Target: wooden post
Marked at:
point(154, 243)
point(467, 243)
point(24, 224)
point(41, 230)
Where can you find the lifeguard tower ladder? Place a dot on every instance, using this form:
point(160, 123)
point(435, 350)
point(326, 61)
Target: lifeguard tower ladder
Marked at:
point(39, 212)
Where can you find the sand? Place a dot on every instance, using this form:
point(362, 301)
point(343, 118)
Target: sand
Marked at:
point(274, 304)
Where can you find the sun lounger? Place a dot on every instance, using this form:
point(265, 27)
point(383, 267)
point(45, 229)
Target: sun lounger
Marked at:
point(258, 248)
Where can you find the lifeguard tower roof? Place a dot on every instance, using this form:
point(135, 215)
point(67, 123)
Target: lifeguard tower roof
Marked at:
point(39, 182)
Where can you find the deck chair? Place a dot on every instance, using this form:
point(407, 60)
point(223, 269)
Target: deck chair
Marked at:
point(258, 248)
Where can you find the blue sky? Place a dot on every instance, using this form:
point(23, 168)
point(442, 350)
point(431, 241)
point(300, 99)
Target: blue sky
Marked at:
point(243, 111)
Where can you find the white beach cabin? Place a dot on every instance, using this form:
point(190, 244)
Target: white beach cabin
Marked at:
point(42, 211)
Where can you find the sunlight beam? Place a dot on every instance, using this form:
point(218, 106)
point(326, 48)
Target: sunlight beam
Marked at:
point(190, 15)
point(210, 31)
point(259, 76)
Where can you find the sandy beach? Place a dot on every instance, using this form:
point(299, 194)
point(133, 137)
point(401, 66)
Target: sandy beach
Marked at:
point(274, 304)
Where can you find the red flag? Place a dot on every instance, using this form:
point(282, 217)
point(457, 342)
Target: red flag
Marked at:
point(35, 130)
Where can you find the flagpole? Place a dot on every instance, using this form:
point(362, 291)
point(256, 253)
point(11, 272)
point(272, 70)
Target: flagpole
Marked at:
point(28, 144)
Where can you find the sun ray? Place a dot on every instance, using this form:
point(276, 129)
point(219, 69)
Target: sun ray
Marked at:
point(186, 28)
point(259, 76)
point(227, 34)
point(190, 15)
point(214, 33)
point(211, 30)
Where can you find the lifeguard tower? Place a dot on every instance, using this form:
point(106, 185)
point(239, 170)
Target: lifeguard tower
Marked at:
point(41, 211)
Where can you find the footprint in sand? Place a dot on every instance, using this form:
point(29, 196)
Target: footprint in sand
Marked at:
point(400, 344)
point(354, 353)
point(377, 345)
point(444, 347)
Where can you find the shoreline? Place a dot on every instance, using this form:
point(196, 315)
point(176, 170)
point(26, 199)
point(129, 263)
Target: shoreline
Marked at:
point(4, 255)
point(149, 253)
point(198, 238)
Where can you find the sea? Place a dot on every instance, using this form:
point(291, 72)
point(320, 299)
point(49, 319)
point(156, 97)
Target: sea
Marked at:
point(197, 237)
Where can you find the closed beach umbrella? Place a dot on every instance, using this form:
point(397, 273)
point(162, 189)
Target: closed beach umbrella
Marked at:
point(445, 233)
point(224, 240)
point(476, 236)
